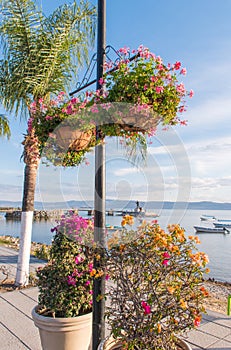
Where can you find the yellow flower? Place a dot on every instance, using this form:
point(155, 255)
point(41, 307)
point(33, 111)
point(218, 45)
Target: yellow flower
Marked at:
point(171, 289)
point(127, 220)
point(100, 273)
point(183, 304)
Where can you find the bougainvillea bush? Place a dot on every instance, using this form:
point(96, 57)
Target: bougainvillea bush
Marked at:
point(156, 291)
point(65, 282)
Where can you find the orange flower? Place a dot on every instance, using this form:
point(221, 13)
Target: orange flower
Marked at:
point(195, 239)
point(93, 272)
point(204, 291)
point(122, 247)
point(197, 321)
point(127, 220)
point(159, 328)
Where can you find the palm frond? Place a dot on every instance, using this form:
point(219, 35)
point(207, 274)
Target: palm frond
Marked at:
point(40, 53)
point(4, 126)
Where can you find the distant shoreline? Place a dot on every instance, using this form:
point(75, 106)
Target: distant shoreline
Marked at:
point(123, 204)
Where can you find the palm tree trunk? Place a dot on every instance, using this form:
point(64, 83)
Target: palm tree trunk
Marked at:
point(31, 158)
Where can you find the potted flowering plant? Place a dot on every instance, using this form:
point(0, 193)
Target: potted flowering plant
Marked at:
point(64, 311)
point(157, 288)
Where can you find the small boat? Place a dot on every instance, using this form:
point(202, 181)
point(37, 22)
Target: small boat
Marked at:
point(222, 223)
point(113, 227)
point(205, 217)
point(201, 229)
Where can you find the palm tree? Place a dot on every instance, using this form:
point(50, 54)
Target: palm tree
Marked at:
point(40, 55)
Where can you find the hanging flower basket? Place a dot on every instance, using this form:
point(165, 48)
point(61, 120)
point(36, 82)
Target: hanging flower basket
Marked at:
point(151, 90)
point(135, 121)
point(75, 140)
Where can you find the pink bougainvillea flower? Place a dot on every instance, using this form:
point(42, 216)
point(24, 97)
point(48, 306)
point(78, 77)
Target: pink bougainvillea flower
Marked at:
point(177, 65)
point(182, 109)
point(48, 117)
point(160, 67)
point(153, 78)
point(165, 262)
point(78, 259)
point(146, 307)
point(166, 255)
point(102, 81)
point(124, 50)
point(90, 267)
point(94, 109)
point(183, 122)
point(183, 71)
point(71, 281)
point(191, 93)
point(74, 100)
point(180, 88)
point(197, 321)
point(159, 89)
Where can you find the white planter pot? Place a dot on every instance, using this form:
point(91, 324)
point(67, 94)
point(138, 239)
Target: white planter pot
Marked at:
point(111, 344)
point(64, 333)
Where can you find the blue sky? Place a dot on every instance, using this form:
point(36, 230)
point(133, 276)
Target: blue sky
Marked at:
point(190, 162)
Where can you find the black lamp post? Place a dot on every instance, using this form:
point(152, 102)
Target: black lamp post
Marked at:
point(99, 205)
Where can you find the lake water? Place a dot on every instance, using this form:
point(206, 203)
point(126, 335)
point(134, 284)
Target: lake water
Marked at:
point(217, 246)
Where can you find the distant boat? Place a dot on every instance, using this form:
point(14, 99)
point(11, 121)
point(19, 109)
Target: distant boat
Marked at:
point(133, 212)
point(153, 215)
point(205, 217)
point(222, 223)
point(113, 227)
point(201, 229)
